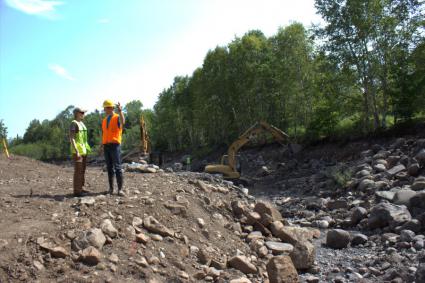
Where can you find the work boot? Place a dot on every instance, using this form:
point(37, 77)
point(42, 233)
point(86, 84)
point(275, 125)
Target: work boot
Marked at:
point(120, 183)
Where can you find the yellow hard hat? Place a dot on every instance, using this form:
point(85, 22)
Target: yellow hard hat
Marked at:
point(108, 103)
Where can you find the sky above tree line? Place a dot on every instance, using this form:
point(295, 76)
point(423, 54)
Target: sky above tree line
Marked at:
point(59, 53)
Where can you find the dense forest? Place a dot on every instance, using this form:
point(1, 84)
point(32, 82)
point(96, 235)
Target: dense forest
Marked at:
point(362, 70)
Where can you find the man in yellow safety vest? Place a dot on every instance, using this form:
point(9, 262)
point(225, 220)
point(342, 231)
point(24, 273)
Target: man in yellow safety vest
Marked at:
point(79, 149)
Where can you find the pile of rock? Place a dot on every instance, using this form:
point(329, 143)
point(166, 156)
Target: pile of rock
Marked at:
point(141, 167)
point(279, 248)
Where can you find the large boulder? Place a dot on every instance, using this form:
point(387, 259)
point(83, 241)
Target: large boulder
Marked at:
point(403, 197)
point(268, 212)
point(280, 269)
point(303, 255)
point(243, 264)
point(337, 239)
point(304, 252)
point(358, 214)
point(292, 234)
point(396, 169)
point(386, 214)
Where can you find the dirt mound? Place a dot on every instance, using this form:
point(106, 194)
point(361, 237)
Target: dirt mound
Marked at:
point(169, 228)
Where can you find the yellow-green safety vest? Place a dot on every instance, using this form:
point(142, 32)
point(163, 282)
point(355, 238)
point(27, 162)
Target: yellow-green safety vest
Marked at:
point(80, 138)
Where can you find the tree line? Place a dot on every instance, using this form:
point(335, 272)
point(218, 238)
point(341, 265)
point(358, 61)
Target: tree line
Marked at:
point(49, 139)
point(363, 69)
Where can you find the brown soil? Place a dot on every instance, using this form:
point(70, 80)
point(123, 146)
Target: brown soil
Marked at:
point(36, 204)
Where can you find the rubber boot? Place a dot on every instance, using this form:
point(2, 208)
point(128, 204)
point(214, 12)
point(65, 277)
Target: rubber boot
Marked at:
point(111, 184)
point(120, 183)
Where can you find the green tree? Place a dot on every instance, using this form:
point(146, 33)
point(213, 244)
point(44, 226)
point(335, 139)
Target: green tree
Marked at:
point(364, 35)
point(3, 130)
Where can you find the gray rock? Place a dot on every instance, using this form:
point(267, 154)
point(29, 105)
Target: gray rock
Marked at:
point(420, 157)
point(243, 264)
point(359, 239)
point(398, 143)
point(90, 256)
point(96, 238)
point(108, 228)
point(265, 208)
point(419, 184)
point(279, 247)
point(58, 252)
point(93, 237)
point(363, 166)
point(366, 184)
point(315, 203)
point(337, 204)
point(418, 200)
point(379, 168)
point(396, 169)
point(137, 224)
point(392, 160)
point(237, 208)
point(358, 214)
point(386, 214)
point(407, 236)
point(403, 197)
point(420, 273)
point(89, 201)
point(419, 245)
point(337, 239)
point(413, 225)
point(323, 224)
point(413, 169)
point(381, 155)
point(154, 226)
point(363, 173)
point(303, 255)
point(382, 185)
point(388, 195)
point(381, 161)
point(281, 269)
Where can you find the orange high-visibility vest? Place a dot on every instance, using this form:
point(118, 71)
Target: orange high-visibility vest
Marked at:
point(111, 133)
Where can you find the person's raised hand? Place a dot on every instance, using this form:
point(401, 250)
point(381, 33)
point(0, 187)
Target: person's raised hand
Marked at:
point(119, 107)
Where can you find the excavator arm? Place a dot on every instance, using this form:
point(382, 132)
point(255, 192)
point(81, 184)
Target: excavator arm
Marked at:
point(229, 170)
point(145, 143)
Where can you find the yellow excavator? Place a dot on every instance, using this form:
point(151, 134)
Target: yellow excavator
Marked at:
point(144, 138)
point(228, 166)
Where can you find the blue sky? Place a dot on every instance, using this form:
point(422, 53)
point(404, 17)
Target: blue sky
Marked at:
point(59, 53)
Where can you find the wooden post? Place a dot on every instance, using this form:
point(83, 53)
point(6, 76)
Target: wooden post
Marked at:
point(5, 148)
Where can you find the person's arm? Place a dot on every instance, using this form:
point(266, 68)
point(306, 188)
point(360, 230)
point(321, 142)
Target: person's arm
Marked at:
point(101, 143)
point(72, 133)
point(122, 119)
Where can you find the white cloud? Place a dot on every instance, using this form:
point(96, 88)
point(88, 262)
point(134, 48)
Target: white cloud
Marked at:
point(61, 71)
point(103, 21)
point(44, 8)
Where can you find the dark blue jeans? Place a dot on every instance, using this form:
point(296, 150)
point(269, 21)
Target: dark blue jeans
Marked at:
point(112, 153)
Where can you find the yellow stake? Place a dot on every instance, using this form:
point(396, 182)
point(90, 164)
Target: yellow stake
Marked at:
point(5, 148)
